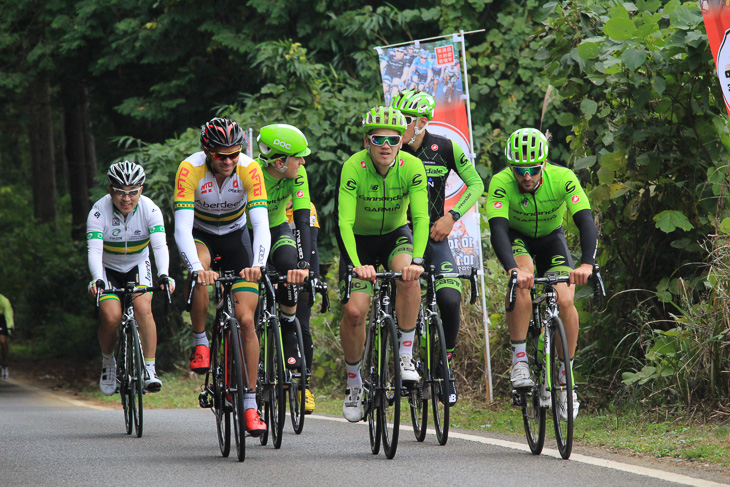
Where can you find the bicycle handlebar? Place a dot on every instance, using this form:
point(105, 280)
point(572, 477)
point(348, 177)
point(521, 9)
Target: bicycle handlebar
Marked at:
point(130, 288)
point(387, 275)
point(471, 277)
point(551, 279)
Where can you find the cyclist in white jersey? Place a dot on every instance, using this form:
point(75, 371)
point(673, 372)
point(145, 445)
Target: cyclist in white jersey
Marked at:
point(119, 230)
point(214, 189)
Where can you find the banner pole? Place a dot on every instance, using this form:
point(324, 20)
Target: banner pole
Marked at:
point(472, 156)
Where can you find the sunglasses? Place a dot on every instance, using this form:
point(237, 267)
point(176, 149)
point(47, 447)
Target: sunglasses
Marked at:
point(222, 156)
point(523, 171)
point(382, 139)
point(121, 193)
point(409, 119)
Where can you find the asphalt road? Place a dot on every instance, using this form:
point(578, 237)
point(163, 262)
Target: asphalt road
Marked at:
point(50, 440)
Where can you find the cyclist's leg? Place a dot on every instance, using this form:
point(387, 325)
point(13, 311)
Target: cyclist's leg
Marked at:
point(284, 257)
point(304, 311)
point(408, 302)
point(448, 291)
point(143, 314)
point(199, 310)
point(518, 320)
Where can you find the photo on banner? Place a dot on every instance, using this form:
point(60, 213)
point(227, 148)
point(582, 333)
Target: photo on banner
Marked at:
point(435, 67)
point(716, 14)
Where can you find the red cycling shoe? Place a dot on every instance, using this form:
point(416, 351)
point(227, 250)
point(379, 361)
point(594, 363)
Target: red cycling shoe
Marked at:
point(254, 424)
point(200, 359)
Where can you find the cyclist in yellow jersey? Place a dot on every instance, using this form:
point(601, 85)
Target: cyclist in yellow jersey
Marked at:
point(214, 188)
point(304, 311)
point(6, 329)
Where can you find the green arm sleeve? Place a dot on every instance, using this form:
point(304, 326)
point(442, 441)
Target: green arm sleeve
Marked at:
point(474, 184)
point(347, 199)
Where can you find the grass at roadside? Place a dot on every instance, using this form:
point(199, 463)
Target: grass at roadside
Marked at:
point(628, 432)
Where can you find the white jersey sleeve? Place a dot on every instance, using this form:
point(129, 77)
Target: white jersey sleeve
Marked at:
point(261, 235)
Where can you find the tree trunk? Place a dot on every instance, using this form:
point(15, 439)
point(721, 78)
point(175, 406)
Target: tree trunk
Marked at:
point(42, 160)
point(74, 129)
point(92, 170)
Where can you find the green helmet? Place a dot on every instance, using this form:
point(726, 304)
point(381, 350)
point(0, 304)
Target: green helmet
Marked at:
point(282, 140)
point(412, 102)
point(526, 146)
point(384, 118)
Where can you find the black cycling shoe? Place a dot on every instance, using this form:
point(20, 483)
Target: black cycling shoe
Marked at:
point(453, 395)
point(292, 357)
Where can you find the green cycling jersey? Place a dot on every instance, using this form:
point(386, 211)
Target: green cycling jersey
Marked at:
point(540, 212)
point(371, 204)
point(279, 191)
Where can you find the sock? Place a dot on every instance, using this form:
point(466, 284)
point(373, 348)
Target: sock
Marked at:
point(149, 364)
point(406, 342)
point(561, 373)
point(249, 400)
point(200, 339)
point(519, 351)
point(108, 359)
point(353, 375)
point(286, 318)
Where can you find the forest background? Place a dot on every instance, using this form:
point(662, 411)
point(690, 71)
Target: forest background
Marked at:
point(631, 100)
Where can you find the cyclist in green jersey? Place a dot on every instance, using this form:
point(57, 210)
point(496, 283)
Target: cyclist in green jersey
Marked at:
point(6, 329)
point(376, 186)
point(525, 206)
point(283, 149)
point(440, 156)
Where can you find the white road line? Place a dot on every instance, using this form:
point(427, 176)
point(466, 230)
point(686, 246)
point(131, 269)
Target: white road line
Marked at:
point(575, 457)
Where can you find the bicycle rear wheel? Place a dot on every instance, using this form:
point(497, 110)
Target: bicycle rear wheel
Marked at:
point(439, 372)
point(278, 399)
point(417, 398)
point(136, 379)
point(262, 389)
point(235, 386)
point(218, 385)
point(533, 415)
point(389, 387)
point(563, 427)
point(297, 385)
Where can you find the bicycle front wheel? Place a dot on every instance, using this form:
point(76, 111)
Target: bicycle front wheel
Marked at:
point(278, 399)
point(369, 371)
point(389, 387)
point(123, 382)
point(218, 385)
point(136, 371)
point(417, 396)
point(297, 385)
point(533, 415)
point(562, 394)
point(235, 386)
point(439, 371)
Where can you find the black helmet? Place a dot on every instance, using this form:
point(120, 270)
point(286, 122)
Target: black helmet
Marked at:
point(125, 174)
point(220, 132)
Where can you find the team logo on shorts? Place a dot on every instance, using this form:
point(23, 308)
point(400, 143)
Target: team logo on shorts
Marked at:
point(291, 360)
point(300, 194)
point(434, 147)
point(498, 204)
point(575, 198)
point(363, 164)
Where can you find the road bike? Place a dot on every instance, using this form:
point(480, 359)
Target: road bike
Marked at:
point(226, 381)
point(131, 372)
point(380, 364)
point(546, 341)
point(276, 377)
point(429, 354)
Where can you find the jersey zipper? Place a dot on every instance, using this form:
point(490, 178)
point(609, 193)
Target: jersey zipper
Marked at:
point(382, 220)
point(537, 216)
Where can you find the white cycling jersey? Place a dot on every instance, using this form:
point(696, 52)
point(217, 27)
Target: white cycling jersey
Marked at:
point(120, 243)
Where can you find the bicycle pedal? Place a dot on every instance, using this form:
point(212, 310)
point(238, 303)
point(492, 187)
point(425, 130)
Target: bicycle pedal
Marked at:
point(204, 400)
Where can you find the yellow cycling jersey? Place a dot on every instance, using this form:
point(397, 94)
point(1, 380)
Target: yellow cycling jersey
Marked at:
point(218, 210)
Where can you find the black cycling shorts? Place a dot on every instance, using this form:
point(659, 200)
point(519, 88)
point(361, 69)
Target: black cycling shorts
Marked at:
point(550, 252)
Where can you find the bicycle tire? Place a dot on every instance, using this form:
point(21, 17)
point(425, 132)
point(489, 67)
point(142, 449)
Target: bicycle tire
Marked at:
point(136, 385)
point(235, 387)
point(297, 385)
point(278, 399)
point(563, 428)
point(217, 387)
point(389, 387)
point(417, 399)
point(262, 390)
point(440, 376)
point(123, 382)
point(369, 373)
point(533, 415)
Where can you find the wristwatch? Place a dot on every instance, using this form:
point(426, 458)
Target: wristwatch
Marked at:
point(455, 215)
point(303, 264)
point(417, 261)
